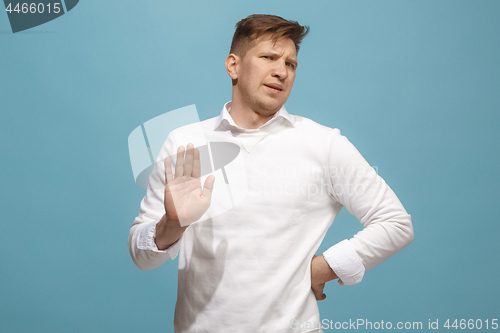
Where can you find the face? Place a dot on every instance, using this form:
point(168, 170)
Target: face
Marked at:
point(264, 75)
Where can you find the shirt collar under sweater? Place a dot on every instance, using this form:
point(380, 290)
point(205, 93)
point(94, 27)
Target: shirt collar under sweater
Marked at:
point(249, 138)
point(226, 122)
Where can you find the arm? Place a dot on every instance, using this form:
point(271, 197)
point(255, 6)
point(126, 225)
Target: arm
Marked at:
point(387, 225)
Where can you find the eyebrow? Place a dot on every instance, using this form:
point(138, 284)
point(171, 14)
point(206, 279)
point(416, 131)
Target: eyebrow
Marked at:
point(293, 61)
point(274, 53)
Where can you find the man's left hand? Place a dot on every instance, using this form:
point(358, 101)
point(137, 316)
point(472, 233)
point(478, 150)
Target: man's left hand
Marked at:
point(320, 274)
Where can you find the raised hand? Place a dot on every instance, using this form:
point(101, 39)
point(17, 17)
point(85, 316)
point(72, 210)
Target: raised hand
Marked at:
point(185, 201)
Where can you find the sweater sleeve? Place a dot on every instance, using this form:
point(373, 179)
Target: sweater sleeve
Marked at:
point(141, 244)
point(387, 227)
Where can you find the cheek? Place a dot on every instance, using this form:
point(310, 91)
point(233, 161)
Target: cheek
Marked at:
point(247, 75)
point(249, 81)
point(290, 82)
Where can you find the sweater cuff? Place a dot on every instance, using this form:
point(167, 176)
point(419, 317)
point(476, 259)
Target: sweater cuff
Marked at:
point(345, 262)
point(147, 237)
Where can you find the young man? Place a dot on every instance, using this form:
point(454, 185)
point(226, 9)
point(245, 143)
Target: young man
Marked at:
point(252, 268)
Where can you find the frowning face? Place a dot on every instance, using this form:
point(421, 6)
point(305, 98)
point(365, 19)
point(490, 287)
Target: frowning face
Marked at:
point(264, 75)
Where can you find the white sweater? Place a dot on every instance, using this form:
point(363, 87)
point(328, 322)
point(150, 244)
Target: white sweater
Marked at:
point(245, 266)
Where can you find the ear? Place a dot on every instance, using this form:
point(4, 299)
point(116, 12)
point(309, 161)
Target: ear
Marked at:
point(232, 62)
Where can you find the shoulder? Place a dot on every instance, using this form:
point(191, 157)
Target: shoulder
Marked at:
point(205, 125)
point(330, 139)
point(195, 133)
point(312, 128)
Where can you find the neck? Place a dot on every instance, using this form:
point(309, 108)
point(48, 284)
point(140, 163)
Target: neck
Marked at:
point(245, 117)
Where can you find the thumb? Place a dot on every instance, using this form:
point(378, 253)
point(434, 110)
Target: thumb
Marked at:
point(208, 187)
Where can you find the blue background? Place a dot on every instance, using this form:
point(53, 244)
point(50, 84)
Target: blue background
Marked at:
point(413, 84)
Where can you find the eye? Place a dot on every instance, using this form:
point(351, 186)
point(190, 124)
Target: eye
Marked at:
point(267, 57)
point(289, 64)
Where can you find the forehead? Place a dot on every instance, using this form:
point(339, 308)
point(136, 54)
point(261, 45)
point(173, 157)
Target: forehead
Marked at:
point(283, 46)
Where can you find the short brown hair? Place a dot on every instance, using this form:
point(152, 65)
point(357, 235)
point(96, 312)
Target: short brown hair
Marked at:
point(256, 25)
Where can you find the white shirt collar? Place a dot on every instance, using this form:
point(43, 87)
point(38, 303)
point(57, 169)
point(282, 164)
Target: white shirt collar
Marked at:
point(226, 122)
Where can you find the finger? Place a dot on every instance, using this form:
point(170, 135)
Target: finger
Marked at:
point(179, 165)
point(208, 187)
point(196, 164)
point(188, 162)
point(318, 291)
point(168, 170)
point(319, 296)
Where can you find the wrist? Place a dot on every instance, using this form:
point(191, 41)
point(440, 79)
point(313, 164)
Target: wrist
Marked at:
point(321, 271)
point(167, 233)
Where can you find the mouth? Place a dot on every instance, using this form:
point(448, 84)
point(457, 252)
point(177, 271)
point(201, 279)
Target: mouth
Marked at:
point(274, 87)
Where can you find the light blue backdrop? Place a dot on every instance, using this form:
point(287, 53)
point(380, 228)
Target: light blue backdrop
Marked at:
point(413, 84)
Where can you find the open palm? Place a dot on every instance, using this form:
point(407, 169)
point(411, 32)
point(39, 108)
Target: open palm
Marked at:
point(185, 201)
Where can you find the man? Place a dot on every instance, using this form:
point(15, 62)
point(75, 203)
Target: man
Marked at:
point(252, 268)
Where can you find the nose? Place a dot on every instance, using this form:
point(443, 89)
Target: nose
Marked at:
point(280, 71)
